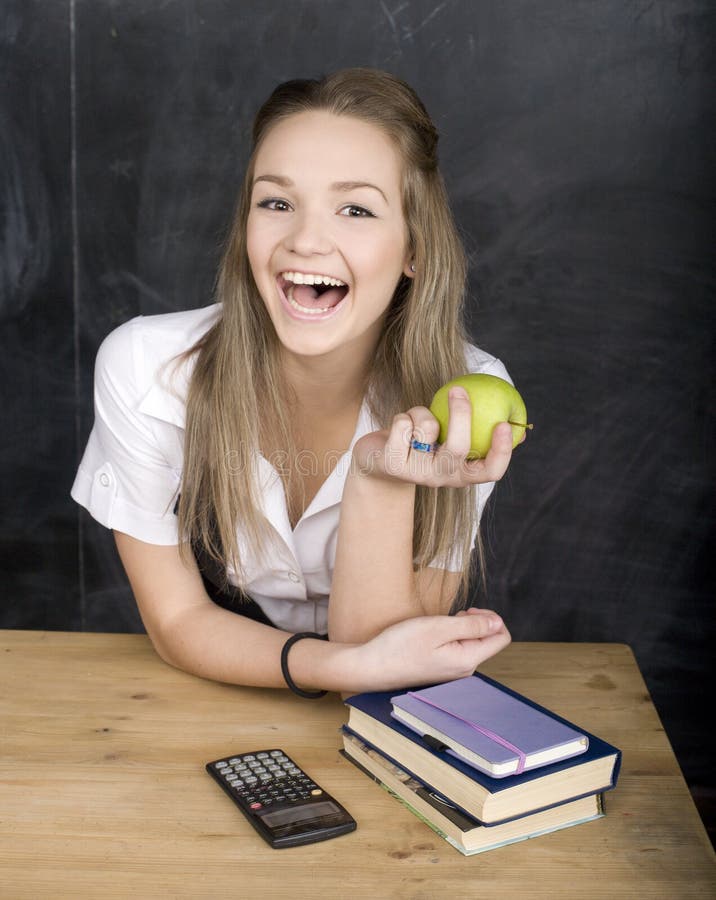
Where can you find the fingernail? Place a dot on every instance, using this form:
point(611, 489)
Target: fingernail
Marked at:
point(458, 393)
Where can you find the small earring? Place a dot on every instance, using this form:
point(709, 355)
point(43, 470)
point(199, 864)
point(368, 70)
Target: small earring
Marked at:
point(412, 267)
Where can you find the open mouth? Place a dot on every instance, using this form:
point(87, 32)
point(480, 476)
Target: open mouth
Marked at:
point(312, 294)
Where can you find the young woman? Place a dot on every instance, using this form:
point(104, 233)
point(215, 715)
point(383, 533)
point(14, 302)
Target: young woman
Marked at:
point(268, 463)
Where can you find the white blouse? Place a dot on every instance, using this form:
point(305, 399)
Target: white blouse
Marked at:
point(130, 474)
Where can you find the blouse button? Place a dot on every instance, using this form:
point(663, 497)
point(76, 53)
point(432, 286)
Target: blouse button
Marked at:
point(104, 479)
point(294, 577)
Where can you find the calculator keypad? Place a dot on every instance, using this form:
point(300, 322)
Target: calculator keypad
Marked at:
point(266, 778)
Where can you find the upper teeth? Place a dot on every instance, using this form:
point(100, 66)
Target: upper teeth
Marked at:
point(303, 278)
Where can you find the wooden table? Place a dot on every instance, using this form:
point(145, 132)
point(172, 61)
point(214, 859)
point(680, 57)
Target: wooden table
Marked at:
point(103, 790)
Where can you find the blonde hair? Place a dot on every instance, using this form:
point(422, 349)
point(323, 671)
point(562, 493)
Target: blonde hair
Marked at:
point(237, 380)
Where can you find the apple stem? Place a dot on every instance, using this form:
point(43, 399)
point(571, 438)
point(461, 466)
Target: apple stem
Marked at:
point(520, 424)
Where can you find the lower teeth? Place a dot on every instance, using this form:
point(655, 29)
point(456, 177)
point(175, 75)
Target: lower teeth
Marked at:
point(305, 309)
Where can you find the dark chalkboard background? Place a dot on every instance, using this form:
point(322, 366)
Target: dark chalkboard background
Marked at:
point(577, 151)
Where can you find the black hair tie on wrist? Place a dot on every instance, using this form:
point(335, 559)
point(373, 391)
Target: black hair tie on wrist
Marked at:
point(309, 695)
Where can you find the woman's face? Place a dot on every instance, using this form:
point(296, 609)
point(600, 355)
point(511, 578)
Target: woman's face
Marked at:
point(326, 237)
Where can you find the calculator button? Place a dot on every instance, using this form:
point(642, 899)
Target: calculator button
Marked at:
point(262, 756)
point(248, 756)
point(275, 753)
point(316, 792)
point(255, 805)
point(234, 761)
point(221, 765)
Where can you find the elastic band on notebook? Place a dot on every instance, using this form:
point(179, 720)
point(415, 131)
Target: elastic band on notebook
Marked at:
point(498, 739)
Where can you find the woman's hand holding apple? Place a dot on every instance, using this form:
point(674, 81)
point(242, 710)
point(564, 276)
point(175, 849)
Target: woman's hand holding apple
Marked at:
point(493, 400)
point(389, 454)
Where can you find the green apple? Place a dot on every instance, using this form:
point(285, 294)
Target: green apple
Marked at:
point(493, 400)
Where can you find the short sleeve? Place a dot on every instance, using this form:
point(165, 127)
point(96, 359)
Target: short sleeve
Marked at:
point(129, 475)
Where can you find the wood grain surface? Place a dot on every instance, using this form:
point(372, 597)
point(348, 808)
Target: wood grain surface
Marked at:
point(104, 793)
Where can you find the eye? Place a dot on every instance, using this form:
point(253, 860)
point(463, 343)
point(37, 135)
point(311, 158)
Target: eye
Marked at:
point(274, 204)
point(356, 212)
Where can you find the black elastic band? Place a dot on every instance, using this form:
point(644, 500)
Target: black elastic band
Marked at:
point(309, 695)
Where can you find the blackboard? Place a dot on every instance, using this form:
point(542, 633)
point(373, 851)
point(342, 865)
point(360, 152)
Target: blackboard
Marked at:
point(577, 147)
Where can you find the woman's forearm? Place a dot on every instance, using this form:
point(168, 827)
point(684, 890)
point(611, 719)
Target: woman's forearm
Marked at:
point(219, 645)
point(222, 646)
point(373, 581)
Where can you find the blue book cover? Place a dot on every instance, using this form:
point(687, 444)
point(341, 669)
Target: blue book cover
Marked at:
point(481, 795)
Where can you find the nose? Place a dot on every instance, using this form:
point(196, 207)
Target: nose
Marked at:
point(309, 235)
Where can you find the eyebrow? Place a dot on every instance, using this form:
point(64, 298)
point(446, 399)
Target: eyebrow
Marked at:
point(342, 186)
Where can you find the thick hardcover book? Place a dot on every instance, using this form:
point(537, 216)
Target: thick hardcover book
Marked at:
point(491, 800)
point(461, 831)
point(487, 727)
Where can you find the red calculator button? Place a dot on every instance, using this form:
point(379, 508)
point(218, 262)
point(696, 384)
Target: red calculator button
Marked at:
point(256, 806)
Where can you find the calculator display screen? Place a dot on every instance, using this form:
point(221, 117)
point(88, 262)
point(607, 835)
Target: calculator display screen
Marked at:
point(297, 814)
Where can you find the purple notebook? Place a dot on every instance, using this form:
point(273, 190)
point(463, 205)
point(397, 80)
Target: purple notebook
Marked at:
point(487, 727)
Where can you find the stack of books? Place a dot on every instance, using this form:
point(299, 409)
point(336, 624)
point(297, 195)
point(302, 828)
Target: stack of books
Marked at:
point(482, 765)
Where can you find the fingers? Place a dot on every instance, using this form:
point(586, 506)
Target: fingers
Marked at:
point(477, 635)
point(491, 634)
point(401, 460)
point(426, 427)
point(495, 464)
point(500, 452)
point(471, 624)
point(397, 445)
point(447, 465)
point(453, 452)
point(432, 649)
point(457, 442)
point(488, 646)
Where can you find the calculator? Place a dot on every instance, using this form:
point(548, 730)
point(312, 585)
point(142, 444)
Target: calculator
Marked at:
point(285, 805)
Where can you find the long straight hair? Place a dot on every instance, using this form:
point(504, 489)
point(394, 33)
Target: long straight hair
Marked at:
point(237, 381)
